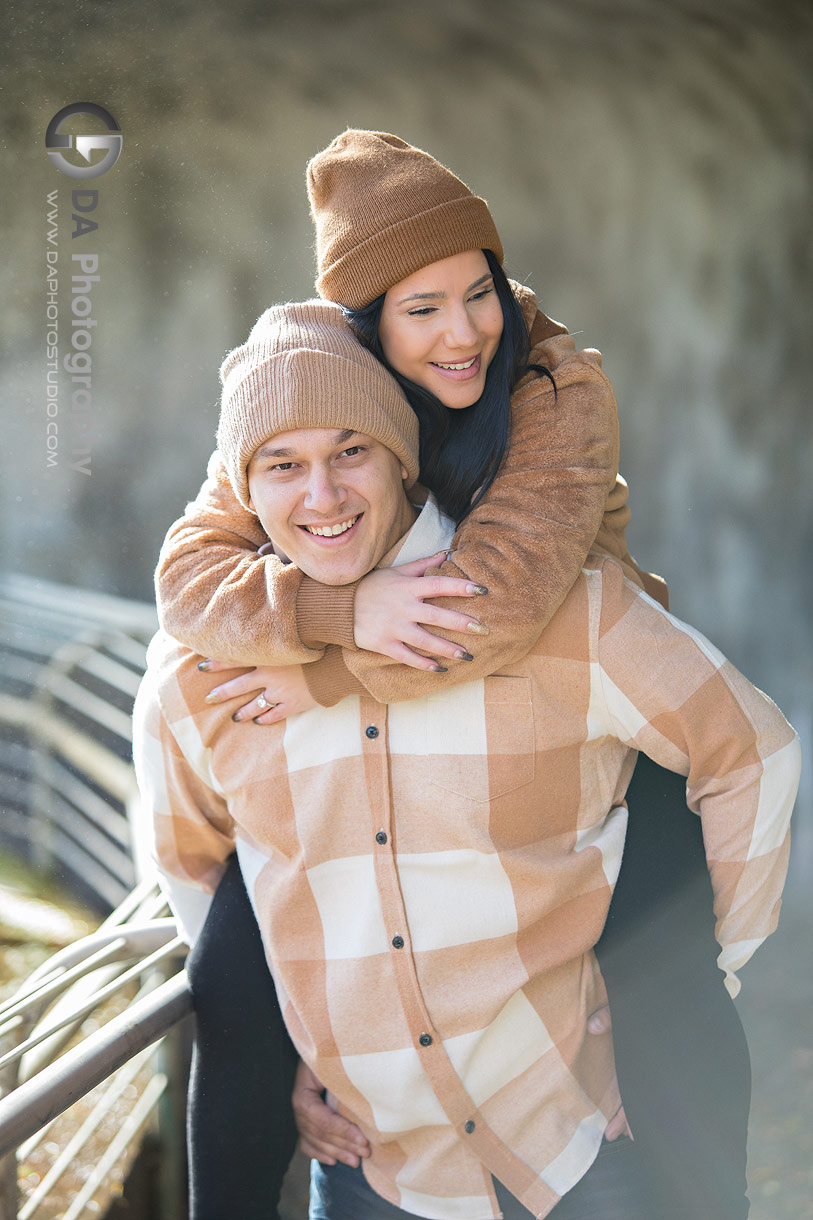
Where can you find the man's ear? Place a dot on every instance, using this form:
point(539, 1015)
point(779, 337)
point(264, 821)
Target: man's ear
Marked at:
point(404, 473)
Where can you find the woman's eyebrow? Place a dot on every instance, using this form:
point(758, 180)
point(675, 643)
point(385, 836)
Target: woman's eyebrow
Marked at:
point(436, 296)
point(422, 296)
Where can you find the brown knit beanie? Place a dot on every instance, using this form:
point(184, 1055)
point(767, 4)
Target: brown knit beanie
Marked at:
point(302, 367)
point(383, 210)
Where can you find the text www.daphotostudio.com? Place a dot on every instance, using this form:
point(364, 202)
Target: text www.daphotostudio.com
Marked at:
point(71, 446)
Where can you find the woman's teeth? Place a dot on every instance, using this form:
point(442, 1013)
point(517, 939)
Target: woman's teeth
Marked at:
point(456, 367)
point(330, 531)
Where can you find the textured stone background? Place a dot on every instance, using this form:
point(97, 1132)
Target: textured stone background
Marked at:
point(649, 166)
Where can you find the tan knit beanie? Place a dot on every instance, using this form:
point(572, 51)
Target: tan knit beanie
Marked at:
point(383, 210)
point(302, 367)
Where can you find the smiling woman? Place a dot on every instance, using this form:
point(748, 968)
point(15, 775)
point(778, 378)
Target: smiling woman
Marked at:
point(453, 341)
point(441, 326)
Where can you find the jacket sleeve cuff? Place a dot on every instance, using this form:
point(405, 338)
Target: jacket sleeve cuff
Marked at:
point(329, 680)
point(324, 614)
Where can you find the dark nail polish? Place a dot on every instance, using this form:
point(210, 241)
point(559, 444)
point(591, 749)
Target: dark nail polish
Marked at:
point(463, 656)
point(237, 717)
point(204, 666)
point(480, 590)
point(440, 669)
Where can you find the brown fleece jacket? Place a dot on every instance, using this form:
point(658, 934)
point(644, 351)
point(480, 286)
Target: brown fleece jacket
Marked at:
point(557, 495)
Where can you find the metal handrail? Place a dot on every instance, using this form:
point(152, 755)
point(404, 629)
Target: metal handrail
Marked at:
point(81, 1011)
point(131, 947)
point(108, 944)
point(39, 1100)
point(70, 663)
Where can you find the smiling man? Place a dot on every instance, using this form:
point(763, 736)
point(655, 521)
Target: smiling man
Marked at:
point(430, 877)
point(333, 501)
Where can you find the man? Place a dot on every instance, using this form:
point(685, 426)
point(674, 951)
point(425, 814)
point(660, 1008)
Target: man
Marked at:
point(430, 878)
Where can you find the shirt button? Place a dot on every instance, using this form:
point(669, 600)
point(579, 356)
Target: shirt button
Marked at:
point(425, 1039)
point(381, 837)
point(398, 943)
point(469, 1127)
point(371, 731)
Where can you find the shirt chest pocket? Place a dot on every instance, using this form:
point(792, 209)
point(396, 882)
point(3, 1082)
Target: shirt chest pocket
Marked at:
point(480, 738)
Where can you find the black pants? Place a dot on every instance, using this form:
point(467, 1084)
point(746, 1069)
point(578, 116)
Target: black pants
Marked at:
point(240, 1126)
point(681, 1057)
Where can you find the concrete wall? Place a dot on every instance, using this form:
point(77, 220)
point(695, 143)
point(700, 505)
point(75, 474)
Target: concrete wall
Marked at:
point(648, 163)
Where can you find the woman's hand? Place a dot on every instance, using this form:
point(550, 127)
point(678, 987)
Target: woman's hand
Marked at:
point(279, 691)
point(600, 1022)
point(389, 607)
point(323, 1133)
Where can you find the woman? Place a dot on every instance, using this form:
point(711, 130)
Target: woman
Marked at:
point(518, 443)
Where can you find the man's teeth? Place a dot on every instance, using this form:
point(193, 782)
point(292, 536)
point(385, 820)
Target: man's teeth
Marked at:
point(467, 365)
point(330, 531)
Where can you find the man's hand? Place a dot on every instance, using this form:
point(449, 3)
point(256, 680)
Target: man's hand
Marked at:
point(323, 1133)
point(600, 1022)
point(279, 691)
point(329, 1137)
point(618, 1125)
point(390, 606)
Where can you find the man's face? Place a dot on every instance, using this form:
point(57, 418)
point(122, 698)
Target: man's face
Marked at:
point(332, 501)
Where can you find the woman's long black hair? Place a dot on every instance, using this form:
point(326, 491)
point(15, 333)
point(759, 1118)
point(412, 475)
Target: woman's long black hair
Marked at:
point(461, 450)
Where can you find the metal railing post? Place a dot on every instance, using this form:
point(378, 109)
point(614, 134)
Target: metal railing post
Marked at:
point(173, 1058)
point(9, 1191)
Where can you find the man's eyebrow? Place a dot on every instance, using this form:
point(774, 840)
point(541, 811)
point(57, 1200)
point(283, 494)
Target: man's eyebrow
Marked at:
point(436, 296)
point(271, 451)
point(268, 451)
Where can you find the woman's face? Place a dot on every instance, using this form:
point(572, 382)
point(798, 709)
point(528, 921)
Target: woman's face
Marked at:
point(441, 326)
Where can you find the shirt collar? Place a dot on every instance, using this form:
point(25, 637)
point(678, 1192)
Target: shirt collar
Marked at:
point(432, 531)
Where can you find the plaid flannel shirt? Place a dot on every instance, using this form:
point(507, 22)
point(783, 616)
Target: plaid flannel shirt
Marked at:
point(430, 877)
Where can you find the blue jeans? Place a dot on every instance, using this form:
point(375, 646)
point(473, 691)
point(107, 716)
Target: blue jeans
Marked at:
point(612, 1189)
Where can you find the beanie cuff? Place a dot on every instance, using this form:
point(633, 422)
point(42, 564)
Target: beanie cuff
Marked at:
point(389, 256)
point(302, 367)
